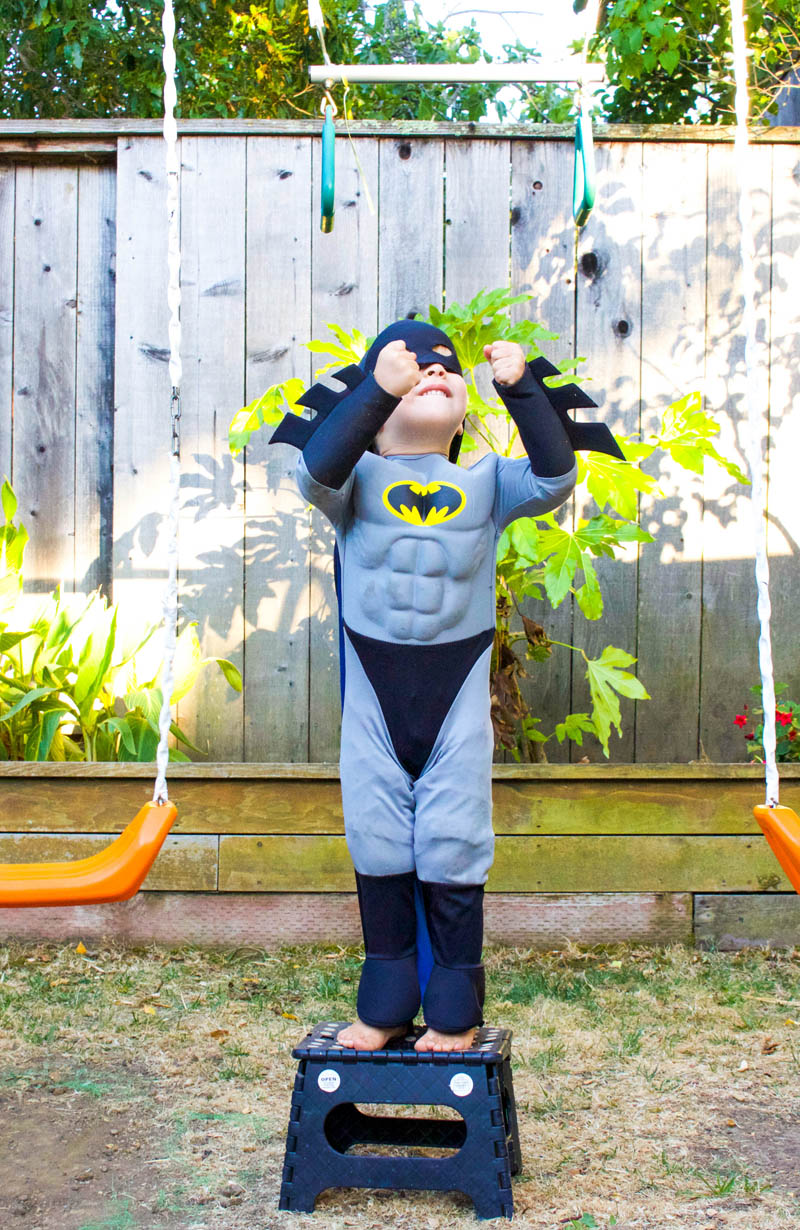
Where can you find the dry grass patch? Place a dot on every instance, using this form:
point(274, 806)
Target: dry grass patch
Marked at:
point(655, 1087)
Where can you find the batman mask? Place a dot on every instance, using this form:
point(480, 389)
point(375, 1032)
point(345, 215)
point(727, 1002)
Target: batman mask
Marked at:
point(420, 337)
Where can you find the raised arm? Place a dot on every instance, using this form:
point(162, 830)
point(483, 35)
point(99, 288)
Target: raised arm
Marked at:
point(349, 429)
point(536, 485)
point(541, 431)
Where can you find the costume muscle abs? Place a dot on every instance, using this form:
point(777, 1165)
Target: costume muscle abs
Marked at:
point(417, 538)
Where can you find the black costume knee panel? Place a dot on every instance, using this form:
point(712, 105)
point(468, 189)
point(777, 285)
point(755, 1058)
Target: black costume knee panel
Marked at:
point(453, 1001)
point(388, 993)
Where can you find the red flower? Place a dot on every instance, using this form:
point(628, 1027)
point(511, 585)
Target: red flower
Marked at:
point(792, 735)
point(740, 720)
point(750, 736)
point(785, 719)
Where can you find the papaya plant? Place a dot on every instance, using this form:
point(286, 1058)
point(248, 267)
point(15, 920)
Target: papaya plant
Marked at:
point(71, 687)
point(537, 557)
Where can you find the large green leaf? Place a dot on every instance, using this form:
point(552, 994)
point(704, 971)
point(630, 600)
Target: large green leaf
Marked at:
point(122, 726)
point(8, 640)
point(8, 500)
point(48, 726)
point(614, 482)
point(96, 656)
point(267, 409)
point(29, 698)
point(231, 672)
point(607, 678)
point(686, 433)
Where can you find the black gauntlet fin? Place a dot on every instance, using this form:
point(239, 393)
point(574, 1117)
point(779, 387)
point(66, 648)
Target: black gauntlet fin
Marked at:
point(594, 437)
point(297, 431)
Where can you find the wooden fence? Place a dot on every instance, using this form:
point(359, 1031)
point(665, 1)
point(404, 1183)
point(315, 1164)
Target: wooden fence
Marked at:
point(649, 292)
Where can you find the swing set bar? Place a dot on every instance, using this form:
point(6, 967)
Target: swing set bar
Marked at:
point(447, 74)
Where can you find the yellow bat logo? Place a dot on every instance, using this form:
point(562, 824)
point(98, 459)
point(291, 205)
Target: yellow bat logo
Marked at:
point(424, 505)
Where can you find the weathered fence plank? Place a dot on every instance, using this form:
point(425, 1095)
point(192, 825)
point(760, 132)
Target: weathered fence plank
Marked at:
point(276, 530)
point(673, 362)
point(476, 218)
point(211, 560)
point(783, 521)
point(543, 264)
point(524, 864)
point(240, 805)
point(411, 217)
point(345, 292)
point(142, 434)
point(94, 396)
point(730, 626)
point(45, 302)
point(609, 311)
point(7, 214)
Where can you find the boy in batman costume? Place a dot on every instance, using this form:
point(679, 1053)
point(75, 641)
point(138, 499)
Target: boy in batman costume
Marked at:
point(416, 543)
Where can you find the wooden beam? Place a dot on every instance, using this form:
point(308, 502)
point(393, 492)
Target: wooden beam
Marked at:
point(92, 149)
point(313, 806)
point(524, 864)
point(703, 770)
point(45, 130)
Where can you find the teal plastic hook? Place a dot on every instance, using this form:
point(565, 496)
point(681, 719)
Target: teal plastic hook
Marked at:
point(583, 182)
point(328, 171)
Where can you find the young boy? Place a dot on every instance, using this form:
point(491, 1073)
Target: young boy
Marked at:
point(416, 538)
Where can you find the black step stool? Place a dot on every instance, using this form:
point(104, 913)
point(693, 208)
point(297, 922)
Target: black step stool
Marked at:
point(325, 1121)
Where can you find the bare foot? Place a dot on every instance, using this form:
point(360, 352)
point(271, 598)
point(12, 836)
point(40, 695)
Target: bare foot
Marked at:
point(432, 1040)
point(361, 1037)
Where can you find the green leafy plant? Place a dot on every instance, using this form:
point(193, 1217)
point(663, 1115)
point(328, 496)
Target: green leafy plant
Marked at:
point(537, 557)
point(71, 687)
point(235, 58)
point(669, 61)
point(787, 727)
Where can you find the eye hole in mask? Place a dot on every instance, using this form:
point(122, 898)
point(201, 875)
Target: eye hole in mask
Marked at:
point(442, 350)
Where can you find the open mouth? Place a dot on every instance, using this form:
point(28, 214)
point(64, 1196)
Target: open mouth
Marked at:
point(435, 390)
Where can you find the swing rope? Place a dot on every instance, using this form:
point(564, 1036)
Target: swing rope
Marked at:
point(170, 596)
point(746, 177)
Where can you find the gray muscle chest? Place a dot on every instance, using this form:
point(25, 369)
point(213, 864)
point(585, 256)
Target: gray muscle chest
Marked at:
point(417, 539)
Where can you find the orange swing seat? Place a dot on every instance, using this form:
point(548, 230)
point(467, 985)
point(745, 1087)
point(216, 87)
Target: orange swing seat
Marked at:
point(114, 874)
point(782, 830)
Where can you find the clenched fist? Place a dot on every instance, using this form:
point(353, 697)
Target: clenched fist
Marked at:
point(396, 370)
point(507, 360)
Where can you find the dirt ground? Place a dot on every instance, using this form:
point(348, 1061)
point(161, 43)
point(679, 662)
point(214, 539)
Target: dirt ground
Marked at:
point(655, 1088)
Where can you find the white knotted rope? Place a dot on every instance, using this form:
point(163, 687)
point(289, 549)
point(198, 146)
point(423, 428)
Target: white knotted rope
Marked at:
point(170, 597)
point(746, 177)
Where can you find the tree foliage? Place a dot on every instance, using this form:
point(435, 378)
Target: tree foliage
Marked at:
point(235, 58)
point(669, 61)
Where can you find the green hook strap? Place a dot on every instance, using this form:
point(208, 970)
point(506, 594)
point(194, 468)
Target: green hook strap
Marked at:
point(328, 173)
point(583, 182)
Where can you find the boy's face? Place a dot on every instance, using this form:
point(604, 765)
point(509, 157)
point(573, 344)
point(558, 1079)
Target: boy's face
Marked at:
point(429, 415)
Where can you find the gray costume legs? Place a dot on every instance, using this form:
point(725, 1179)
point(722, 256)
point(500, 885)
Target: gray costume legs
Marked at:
point(438, 827)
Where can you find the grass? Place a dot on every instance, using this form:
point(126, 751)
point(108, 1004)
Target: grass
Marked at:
point(630, 1065)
